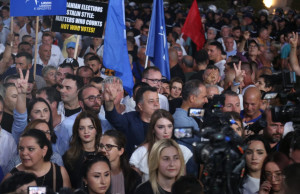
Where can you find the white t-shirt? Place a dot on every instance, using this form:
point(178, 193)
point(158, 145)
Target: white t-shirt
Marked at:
point(251, 185)
point(139, 159)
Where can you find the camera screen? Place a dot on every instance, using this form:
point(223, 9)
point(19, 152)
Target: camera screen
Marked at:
point(196, 112)
point(182, 132)
point(36, 190)
point(269, 96)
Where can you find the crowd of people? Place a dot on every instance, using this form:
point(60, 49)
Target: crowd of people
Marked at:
point(68, 125)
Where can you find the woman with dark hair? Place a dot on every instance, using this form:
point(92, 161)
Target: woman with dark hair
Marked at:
point(96, 174)
point(272, 173)
point(166, 165)
point(43, 126)
point(237, 123)
point(18, 183)
point(35, 151)
point(123, 178)
point(84, 141)
point(255, 155)
point(161, 127)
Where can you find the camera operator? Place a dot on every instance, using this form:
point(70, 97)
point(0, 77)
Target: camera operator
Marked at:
point(273, 132)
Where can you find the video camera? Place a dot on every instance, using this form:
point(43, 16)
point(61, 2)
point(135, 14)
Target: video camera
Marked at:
point(222, 154)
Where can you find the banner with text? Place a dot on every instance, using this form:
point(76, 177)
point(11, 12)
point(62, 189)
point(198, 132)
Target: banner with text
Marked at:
point(83, 17)
point(37, 7)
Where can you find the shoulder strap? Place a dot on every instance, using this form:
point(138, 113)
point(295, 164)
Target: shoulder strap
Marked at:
point(54, 176)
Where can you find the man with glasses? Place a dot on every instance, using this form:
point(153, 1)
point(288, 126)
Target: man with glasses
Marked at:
point(89, 99)
point(153, 77)
point(273, 132)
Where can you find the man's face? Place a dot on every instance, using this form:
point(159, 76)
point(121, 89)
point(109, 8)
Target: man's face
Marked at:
point(274, 130)
point(95, 65)
point(145, 31)
point(211, 76)
point(91, 100)
point(211, 91)
point(213, 53)
point(5, 13)
point(21, 63)
point(61, 74)
point(253, 49)
point(232, 103)
point(48, 40)
point(211, 35)
point(10, 98)
point(150, 103)
point(165, 89)
point(86, 75)
point(68, 91)
point(264, 35)
point(251, 104)
point(229, 44)
point(97, 42)
point(201, 99)
point(225, 32)
point(70, 52)
point(29, 40)
point(153, 79)
point(50, 77)
point(236, 33)
point(45, 52)
point(25, 48)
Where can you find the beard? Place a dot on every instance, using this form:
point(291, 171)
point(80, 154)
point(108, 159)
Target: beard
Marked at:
point(92, 109)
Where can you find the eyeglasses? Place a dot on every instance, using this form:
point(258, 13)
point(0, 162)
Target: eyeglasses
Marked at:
point(154, 80)
point(93, 98)
point(107, 147)
point(276, 175)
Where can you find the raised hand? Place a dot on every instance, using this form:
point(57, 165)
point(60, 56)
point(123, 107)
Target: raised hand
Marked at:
point(22, 83)
point(246, 35)
point(265, 187)
point(239, 73)
point(294, 40)
point(111, 90)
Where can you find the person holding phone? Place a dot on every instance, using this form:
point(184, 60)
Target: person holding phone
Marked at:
point(161, 127)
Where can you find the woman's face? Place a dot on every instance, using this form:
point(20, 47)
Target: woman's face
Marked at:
point(110, 148)
point(87, 131)
point(169, 163)
point(176, 90)
point(98, 178)
point(273, 174)
point(30, 152)
point(40, 111)
point(237, 127)
point(255, 155)
point(45, 128)
point(163, 129)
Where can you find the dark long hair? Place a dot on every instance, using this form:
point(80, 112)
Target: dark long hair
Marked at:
point(76, 146)
point(130, 179)
point(34, 123)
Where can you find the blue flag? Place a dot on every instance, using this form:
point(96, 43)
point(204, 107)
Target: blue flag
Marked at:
point(157, 48)
point(37, 7)
point(115, 54)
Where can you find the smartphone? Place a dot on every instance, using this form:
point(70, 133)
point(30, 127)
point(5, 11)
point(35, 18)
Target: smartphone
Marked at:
point(37, 190)
point(196, 112)
point(269, 96)
point(183, 132)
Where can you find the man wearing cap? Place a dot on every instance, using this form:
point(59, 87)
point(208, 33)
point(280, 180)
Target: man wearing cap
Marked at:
point(71, 50)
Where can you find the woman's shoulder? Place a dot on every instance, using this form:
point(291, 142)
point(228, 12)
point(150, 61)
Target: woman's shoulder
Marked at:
point(144, 188)
point(187, 154)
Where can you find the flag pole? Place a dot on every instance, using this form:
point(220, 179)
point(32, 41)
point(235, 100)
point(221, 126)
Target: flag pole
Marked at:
point(76, 47)
point(36, 42)
point(147, 57)
point(11, 30)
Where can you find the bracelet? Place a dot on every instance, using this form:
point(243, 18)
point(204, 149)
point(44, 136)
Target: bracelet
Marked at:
point(236, 83)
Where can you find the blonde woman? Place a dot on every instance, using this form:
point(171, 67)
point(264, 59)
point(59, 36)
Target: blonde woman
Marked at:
point(166, 165)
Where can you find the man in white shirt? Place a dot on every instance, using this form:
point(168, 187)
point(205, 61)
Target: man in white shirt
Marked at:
point(214, 51)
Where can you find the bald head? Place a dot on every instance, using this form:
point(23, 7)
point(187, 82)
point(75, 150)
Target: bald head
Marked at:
point(252, 102)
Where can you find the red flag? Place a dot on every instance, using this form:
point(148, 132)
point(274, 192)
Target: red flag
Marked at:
point(193, 26)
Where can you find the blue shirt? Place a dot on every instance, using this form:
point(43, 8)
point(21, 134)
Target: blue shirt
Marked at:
point(242, 114)
point(137, 70)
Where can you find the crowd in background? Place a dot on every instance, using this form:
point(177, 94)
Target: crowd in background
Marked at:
point(68, 125)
